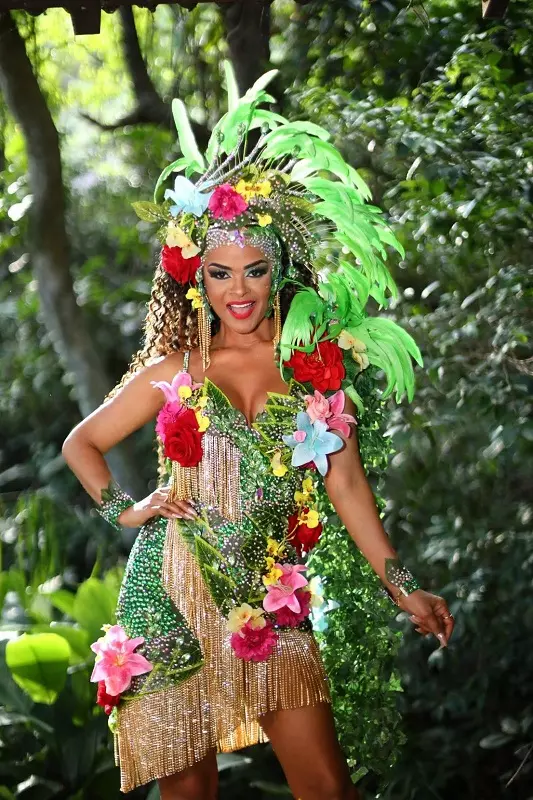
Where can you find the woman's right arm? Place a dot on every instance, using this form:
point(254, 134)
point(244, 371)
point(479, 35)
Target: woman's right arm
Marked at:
point(133, 406)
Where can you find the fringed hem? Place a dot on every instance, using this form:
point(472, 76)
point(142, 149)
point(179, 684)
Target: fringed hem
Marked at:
point(168, 731)
point(219, 707)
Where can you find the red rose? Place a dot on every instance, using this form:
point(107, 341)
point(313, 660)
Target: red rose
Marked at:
point(323, 368)
point(183, 440)
point(303, 538)
point(107, 701)
point(183, 270)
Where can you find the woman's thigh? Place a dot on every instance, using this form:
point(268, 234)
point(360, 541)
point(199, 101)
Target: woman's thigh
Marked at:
point(306, 744)
point(198, 782)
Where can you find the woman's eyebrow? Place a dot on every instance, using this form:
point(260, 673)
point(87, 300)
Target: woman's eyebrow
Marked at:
point(224, 266)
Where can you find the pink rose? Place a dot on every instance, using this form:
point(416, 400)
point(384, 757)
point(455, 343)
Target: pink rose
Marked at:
point(225, 202)
point(317, 406)
point(330, 410)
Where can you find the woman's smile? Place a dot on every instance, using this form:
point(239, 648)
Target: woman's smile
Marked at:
point(241, 309)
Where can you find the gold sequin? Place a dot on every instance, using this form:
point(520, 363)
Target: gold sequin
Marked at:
point(218, 707)
point(215, 481)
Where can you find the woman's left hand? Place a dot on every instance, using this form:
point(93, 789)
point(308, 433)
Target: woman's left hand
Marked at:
point(429, 613)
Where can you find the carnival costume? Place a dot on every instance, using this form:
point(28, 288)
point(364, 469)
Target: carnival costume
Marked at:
point(213, 620)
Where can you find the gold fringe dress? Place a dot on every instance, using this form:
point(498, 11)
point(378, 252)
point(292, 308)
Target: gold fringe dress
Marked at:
point(182, 580)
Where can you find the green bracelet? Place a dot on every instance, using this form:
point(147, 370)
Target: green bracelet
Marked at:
point(114, 502)
point(400, 576)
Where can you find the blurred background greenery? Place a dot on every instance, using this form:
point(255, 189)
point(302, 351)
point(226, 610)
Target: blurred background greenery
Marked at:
point(434, 106)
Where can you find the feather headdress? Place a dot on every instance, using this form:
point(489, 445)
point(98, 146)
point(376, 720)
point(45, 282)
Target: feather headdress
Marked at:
point(295, 185)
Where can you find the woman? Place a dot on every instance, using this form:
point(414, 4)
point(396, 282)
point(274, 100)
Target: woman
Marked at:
point(213, 649)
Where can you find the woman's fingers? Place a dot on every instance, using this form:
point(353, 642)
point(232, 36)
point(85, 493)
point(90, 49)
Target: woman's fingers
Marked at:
point(178, 509)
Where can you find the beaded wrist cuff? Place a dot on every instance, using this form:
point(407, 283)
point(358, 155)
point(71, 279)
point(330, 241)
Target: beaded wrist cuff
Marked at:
point(400, 576)
point(115, 501)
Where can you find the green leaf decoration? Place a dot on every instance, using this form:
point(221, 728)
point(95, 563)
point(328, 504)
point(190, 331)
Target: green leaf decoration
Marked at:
point(186, 137)
point(219, 401)
point(222, 588)
point(176, 166)
point(355, 397)
point(38, 664)
point(306, 311)
point(232, 88)
point(149, 212)
point(205, 553)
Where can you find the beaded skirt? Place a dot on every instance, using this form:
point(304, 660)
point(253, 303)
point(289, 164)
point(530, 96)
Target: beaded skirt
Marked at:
point(202, 697)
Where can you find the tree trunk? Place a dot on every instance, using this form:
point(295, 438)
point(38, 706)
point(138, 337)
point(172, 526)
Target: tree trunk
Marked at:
point(247, 24)
point(48, 238)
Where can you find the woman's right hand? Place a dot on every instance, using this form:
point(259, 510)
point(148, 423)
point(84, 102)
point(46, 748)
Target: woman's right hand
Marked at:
point(156, 504)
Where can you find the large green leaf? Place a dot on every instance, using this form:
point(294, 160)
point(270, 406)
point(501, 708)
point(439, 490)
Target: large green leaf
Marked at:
point(94, 606)
point(38, 664)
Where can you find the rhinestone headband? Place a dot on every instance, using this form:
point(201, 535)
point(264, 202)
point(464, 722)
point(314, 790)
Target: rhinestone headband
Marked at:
point(252, 235)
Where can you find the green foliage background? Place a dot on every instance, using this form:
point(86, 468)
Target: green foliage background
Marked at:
point(433, 106)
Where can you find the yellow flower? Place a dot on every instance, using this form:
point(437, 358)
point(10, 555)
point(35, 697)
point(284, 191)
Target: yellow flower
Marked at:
point(248, 189)
point(302, 498)
point(238, 617)
point(346, 340)
point(311, 518)
point(264, 188)
point(203, 422)
point(308, 485)
point(184, 392)
point(176, 237)
point(274, 548)
point(202, 402)
point(278, 468)
point(264, 219)
point(272, 575)
point(361, 358)
point(194, 295)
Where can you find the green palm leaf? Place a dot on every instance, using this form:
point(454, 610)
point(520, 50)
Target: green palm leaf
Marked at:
point(186, 137)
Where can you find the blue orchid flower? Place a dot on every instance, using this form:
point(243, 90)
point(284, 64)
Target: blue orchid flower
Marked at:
point(312, 442)
point(187, 198)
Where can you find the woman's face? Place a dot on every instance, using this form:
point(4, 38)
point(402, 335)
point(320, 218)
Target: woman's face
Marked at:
point(237, 281)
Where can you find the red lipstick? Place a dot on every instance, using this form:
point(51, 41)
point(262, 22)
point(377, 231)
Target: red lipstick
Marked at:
point(241, 309)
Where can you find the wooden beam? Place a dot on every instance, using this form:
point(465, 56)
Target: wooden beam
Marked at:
point(494, 9)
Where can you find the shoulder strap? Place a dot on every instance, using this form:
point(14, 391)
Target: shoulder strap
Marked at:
point(186, 359)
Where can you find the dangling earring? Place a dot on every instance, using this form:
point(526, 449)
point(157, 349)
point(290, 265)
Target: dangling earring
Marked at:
point(277, 320)
point(204, 334)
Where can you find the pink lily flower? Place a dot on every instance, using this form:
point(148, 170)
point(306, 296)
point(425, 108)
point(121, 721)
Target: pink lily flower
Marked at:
point(330, 410)
point(283, 592)
point(183, 381)
point(116, 663)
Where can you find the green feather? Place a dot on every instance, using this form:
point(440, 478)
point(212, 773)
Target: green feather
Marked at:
point(232, 88)
point(176, 166)
point(186, 137)
point(306, 312)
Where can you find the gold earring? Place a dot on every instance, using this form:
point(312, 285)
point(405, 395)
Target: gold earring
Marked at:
point(204, 335)
point(277, 320)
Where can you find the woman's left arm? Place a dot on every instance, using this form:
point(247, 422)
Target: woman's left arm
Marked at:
point(353, 500)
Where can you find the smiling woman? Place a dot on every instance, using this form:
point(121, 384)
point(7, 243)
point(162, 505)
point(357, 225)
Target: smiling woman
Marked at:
point(250, 367)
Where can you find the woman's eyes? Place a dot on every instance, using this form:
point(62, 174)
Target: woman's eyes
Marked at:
point(221, 275)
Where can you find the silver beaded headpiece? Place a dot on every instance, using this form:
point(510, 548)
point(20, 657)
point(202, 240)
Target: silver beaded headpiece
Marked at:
point(263, 238)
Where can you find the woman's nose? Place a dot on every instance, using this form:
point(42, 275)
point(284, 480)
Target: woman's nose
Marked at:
point(239, 285)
